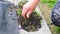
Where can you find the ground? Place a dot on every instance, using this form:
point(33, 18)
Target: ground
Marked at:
point(46, 12)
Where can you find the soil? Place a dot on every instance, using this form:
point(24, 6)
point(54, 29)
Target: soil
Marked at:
point(31, 24)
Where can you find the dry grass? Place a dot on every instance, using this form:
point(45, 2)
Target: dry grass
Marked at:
point(46, 12)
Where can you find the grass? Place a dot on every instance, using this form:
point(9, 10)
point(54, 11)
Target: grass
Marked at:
point(50, 3)
point(44, 6)
point(57, 29)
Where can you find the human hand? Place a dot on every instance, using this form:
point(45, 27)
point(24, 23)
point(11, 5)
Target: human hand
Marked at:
point(28, 8)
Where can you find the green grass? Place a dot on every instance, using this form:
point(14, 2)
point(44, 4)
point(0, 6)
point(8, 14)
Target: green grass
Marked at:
point(57, 29)
point(50, 3)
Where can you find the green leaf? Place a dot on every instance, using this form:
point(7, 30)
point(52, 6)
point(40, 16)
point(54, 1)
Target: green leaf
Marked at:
point(19, 12)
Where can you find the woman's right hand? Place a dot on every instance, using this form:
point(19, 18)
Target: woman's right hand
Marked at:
point(29, 7)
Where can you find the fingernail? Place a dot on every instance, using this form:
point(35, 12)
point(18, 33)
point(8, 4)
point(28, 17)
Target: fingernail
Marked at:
point(22, 14)
point(27, 16)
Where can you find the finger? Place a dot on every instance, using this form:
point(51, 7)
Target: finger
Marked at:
point(28, 13)
point(24, 11)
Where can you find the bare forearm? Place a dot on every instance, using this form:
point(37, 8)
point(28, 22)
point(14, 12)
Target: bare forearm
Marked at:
point(34, 2)
point(37, 1)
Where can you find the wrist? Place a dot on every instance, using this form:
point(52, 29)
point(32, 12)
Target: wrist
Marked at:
point(35, 2)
